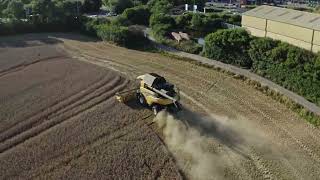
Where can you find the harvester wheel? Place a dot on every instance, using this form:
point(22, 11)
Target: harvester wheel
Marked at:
point(141, 99)
point(155, 109)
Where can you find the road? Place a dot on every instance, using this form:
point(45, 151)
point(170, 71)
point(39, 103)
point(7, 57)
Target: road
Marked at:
point(239, 132)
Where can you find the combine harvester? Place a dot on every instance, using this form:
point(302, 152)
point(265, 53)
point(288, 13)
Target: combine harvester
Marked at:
point(154, 92)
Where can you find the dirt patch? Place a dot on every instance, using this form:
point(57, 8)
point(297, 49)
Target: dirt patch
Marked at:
point(59, 120)
point(68, 126)
point(292, 150)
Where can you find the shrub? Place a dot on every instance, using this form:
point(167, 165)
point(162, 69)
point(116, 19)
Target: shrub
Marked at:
point(159, 6)
point(184, 21)
point(91, 6)
point(89, 26)
point(114, 34)
point(15, 9)
point(198, 24)
point(234, 19)
point(197, 21)
point(121, 35)
point(211, 24)
point(186, 46)
point(16, 27)
point(161, 24)
point(137, 15)
point(120, 21)
point(118, 6)
point(259, 50)
point(229, 46)
point(291, 67)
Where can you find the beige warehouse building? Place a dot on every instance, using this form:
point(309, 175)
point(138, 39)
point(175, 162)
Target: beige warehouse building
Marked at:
point(295, 27)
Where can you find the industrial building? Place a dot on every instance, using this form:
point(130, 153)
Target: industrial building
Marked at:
point(299, 28)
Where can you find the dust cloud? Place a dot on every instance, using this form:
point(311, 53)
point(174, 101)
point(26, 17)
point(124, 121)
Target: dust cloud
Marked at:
point(202, 146)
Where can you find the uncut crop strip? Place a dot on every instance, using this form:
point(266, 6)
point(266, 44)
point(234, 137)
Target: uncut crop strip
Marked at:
point(13, 142)
point(59, 118)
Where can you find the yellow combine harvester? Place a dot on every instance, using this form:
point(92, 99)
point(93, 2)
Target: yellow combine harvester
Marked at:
point(155, 92)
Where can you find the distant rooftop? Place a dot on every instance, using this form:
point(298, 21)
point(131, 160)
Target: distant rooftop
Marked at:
point(289, 16)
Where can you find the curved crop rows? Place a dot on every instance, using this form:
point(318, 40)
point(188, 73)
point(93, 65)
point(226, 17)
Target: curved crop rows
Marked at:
point(276, 143)
point(58, 114)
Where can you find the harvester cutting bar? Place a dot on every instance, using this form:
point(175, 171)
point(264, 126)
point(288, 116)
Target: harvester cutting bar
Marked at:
point(125, 96)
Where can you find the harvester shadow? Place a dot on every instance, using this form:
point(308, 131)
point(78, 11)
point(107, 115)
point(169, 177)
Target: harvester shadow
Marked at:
point(133, 104)
point(212, 128)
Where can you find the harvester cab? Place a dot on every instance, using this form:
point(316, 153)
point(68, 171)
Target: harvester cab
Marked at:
point(154, 92)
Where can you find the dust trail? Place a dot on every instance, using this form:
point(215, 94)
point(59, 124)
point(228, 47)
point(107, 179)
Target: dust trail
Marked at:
point(189, 145)
point(196, 143)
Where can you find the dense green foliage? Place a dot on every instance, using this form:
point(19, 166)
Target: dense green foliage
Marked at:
point(112, 33)
point(91, 6)
point(229, 18)
point(289, 66)
point(15, 10)
point(137, 15)
point(186, 46)
point(115, 31)
point(88, 26)
point(160, 6)
point(229, 46)
point(204, 24)
point(42, 16)
point(292, 67)
point(18, 27)
point(118, 6)
point(161, 24)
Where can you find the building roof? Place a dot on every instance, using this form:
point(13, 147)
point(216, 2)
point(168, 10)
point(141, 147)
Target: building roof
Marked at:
point(289, 16)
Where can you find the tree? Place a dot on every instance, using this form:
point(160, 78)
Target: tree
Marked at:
point(44, 8)
point(67, 11)
point(161, 24)
point(160, 6)
point(199, 3)
point(118, 6)
point(15, 9)
point(229, 46)
point(197, 21)
point(116, 34)
point(90, 6)
point(137, 15)
point(259, 52)
point(183, 21)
